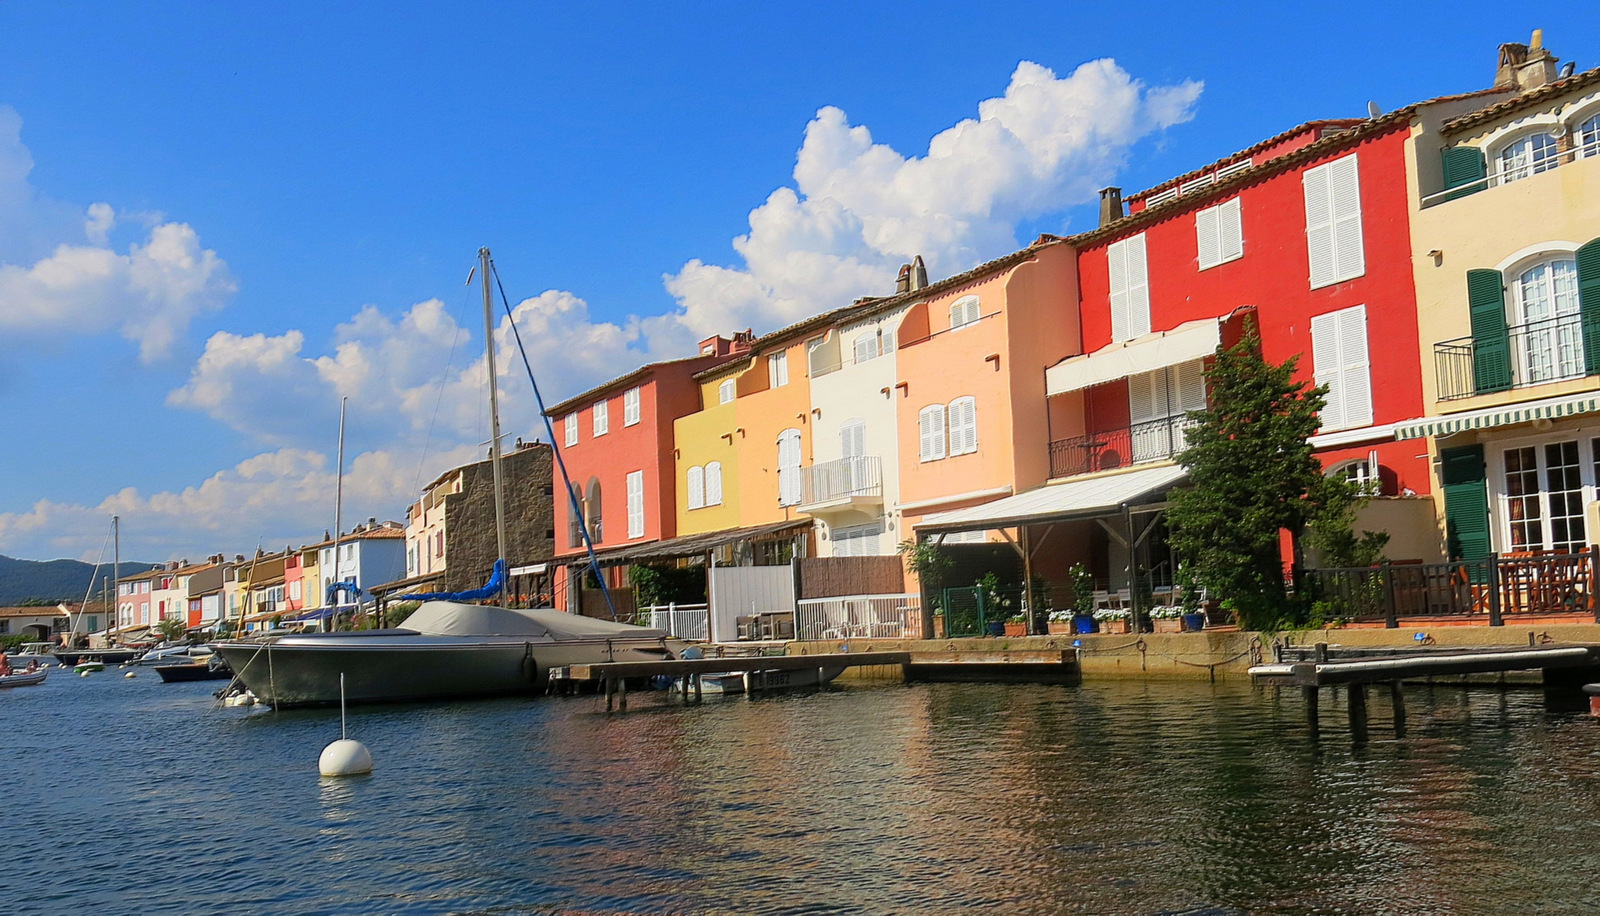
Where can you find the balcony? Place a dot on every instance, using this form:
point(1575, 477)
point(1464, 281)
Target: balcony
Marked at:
point(1548, 350)
point(1118, 448)
point(843, 483)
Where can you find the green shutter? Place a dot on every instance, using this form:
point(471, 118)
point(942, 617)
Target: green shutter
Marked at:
point(1589, 303)
point(1463, 168)
point(1491, 344)
point(1466, 502)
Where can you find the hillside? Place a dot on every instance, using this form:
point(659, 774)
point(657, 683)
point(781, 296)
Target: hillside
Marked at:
point(21, 580)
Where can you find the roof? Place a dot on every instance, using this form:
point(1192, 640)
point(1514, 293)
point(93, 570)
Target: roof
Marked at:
point(472, 464)
point(687, 546)
point(49, 610)
point(1398, 119)
point(783, 335)
point(1077, 498)
point(406, 584)
point(620, 381)
point(1529, 99)
point(1250, 151)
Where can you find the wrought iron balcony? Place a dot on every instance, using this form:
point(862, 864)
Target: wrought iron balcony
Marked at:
point(1118, 448)
point(1548, 350)
point(843, 480)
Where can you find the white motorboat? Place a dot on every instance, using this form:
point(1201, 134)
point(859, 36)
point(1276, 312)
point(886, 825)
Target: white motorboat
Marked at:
point(24, 678)
point(181, 652)
point(446, 650)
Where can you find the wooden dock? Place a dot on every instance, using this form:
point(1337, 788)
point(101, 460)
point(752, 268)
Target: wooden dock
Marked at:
point(1056, 666)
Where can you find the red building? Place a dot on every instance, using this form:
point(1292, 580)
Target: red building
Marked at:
point(616, 442)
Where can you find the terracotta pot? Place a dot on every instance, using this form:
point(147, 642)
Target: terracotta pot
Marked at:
point(1060, 628)
point(1119, 627)
point(1016, 629)
point(1167, 624)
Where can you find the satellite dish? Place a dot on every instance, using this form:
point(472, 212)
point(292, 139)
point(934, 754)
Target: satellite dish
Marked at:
point(1373, 111)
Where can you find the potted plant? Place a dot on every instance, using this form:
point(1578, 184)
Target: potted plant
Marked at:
point(1166, 618)
point(1016, 625)
point(996, 610)
point(1083, 620)
point(1190, 596)
point(1112, 619)
point(1061, 622)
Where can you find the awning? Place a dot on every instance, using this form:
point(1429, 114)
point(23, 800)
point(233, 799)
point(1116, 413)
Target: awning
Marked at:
point(406, 585)
point(534, 569)
point(1055, 502)
point(1189, 341)
point(692, 545)
point(1504, 415)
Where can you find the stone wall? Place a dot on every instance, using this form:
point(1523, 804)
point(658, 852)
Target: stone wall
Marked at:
point(469, 517)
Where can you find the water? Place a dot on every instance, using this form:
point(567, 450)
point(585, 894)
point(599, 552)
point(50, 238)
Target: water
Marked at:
point(137, 796)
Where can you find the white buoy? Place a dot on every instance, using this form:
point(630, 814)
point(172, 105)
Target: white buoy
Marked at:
point(83, 673)
point(129, 674)
point(344, 757)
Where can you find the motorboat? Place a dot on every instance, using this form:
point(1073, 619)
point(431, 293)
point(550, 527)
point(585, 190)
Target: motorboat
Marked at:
point(24, 678)
point(70, 658)
point(765, 681)
point(180, 652)
point(446, 650)
point(34, 651)
point(206, 668)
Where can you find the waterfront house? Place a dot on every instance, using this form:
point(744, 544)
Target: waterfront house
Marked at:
point(38, 624)
point(133, 600)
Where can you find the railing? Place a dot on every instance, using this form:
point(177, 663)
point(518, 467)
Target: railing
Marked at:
point(1499, 175)
point(1118, 448)
point(685, 621)
point(859, 617)
point(1492, 589)
point(1548, 350)
point(841, 478)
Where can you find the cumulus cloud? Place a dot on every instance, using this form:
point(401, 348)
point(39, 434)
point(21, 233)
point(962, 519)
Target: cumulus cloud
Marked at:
point(61, 276)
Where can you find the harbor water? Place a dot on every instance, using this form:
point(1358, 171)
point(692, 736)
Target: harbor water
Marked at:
point(133, 796)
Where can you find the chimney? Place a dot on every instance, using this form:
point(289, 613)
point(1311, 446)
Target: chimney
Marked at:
point(1110, 205)
point(1525, 67)
point(902, 283)
point(919, 273)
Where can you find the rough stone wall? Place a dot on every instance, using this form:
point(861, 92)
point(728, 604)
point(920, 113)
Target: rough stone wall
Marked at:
point(469, 517)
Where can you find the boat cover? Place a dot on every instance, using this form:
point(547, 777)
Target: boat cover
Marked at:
point(450, 618)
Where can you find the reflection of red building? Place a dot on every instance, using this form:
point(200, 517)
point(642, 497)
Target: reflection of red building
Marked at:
point(616, 442)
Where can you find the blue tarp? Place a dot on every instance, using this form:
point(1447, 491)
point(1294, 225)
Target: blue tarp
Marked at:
point(489, 590)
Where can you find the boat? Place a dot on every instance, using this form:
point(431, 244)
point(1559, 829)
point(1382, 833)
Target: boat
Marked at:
point(446, 650)
point(211, 668)
point(84, 667)
point(766, 681)
point(182, 652)
point(70, 658)
point(24, 678)
point(33, 651)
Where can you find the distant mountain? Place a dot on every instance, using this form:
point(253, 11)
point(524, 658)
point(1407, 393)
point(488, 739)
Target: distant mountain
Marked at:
point(53, 580)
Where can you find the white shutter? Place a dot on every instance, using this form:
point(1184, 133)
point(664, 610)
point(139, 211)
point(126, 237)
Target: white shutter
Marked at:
point(930, 427)
point(778, 370)
point(963, 426)
point(1190, 387)
point(853, 439)
point(1344, 203)
point(1138, 289)
point(1319, 226)
point(630, 407)
point(1326, 368)
point(789, 467)
point(714, 483)
point(572, 429)
point(1147, 396)
point(1208, 240)
point(636, 504)
point(697, 487)
point(1230, 231)
point(865, 344)
point(602, 418)
point(1355, 376)
point(1117, 269)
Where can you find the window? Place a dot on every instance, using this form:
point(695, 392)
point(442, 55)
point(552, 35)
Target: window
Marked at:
point(1544, 300)
point(1339, 352)
point(1361, 472)
point(778, 370)
point(1158, 409)
point(1219, 233)
point(1130, 288)
point(853, 438)
point(630, 407)
point(438, 543)
point(592, 513)
point(1528, 155)
point(870, 346)
point(1333, 222)
point(930, 432)
point(636, 504)
point(1588, 137)
point(714, 483)
point(822, 355)
point(602, 418)
point(859, 541)
point(696, 485)
point(572, 429)
point(963, 426)
point(789, 467)
point(963, 312)
point(727, 390)
point(1543, 497)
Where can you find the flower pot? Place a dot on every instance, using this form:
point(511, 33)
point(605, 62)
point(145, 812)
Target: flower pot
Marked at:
point(1084, 623)
point(1194, 622)
point(1167, 624)
point(1061, 628)
point(996, 628)
point(1016, 628)
point(1114, 626)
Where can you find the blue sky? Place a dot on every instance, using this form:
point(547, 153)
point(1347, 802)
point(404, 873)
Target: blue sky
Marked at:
point(254, 200)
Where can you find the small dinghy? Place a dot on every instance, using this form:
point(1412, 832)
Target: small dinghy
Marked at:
point(86, 667)
point(24, 678)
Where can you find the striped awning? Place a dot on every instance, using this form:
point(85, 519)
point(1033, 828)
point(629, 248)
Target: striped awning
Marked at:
point(1504, 415)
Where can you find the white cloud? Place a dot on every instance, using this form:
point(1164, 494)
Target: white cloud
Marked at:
point(52, 285)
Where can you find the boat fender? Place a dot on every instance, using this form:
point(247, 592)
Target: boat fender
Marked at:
point(530, 666)
point(129, 674)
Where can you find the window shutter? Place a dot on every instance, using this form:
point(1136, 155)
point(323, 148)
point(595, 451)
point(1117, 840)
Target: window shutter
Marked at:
point(1326, 367)
point(1463, 166)
point(853, 439)
point(714, 483)
point(1138, 289)
point(1208, 239)
point(697, 487)
point(1355, 371)
point(930, 425)
point(1230, 231)
point(1146, 396)
point(636, 504)
point(1191, 384)
point(1117, 266)
point(963, 426)
point(1589, 303)
point(1466, 502)
point(1344, 195)
point(1491, 340)
point(1319, 226)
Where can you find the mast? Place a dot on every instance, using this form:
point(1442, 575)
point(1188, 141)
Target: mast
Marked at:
point(338, 520)
point(116, 575)
point(494, 423)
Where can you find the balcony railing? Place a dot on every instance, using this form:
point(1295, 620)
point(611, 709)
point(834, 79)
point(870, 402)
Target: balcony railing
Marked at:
point(1118, 448)
point(1500, 173)
point(842, 478)
point(1548, 350)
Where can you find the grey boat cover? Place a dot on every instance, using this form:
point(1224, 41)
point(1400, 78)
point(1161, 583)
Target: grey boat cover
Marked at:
point(450, 618)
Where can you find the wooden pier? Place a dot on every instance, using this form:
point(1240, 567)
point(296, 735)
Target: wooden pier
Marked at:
point(1055, 666)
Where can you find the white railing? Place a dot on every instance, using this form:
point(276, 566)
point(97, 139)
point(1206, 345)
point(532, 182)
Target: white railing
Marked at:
point(685, 621)
point(859, 617)
point(841, 478)
point(1501, 174)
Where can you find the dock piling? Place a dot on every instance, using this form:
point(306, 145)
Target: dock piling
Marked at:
point(1311, 707)
point(1358, 709)
point(1398, 696)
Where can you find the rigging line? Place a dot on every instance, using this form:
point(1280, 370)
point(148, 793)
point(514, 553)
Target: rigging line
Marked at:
point(577, 510)
point(73, 624)
point(444, 379)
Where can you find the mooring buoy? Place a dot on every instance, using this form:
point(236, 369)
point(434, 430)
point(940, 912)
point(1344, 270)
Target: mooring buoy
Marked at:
point(344, 757)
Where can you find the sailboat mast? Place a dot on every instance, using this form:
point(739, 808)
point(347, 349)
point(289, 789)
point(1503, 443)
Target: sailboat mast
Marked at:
point(494, 421)
point(116, 576)
point(338, 518)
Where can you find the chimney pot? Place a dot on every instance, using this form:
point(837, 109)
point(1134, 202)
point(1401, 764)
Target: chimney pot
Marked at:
point(1110, 205)
point(919, 273)
point(902, 283)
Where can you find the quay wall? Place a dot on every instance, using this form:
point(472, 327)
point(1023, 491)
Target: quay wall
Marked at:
point(1221, 653)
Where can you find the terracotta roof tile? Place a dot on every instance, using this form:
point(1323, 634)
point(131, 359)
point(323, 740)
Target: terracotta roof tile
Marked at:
point(1528, 99)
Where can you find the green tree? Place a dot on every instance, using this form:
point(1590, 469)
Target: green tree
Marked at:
point(1252, 476)
point(172, 629)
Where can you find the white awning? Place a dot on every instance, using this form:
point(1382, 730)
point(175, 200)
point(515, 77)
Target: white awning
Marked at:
point(1070, 499)
point(535, 569)
point(1189, 341)
point(1504, 415)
